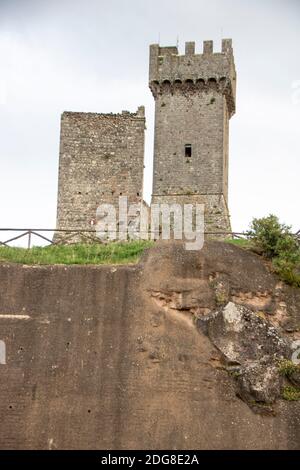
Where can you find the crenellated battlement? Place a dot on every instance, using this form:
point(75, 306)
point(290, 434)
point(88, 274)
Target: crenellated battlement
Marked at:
point(194, 100)
point(171, 72)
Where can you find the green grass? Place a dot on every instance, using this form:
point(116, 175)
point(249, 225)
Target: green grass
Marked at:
point(288, 271)
point(288, 367)
point(290, 393)
point(241, 242)
point(96, 253)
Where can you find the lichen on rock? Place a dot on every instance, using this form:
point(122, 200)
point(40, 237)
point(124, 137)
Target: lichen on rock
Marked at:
point(250, 347)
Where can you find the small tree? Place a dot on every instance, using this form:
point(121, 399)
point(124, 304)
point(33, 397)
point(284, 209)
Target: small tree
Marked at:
point(270, 236)
point(276, 241)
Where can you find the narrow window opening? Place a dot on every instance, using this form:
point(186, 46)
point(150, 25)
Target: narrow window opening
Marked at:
point(188, 150)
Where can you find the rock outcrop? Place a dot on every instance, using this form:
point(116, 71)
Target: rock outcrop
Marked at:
point(118, 357)
point(251, 348)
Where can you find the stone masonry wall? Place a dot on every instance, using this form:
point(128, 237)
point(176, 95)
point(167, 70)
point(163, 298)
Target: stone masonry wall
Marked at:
point(194, 100)
point(101, 158)
point(216, 214)
point(195, 119)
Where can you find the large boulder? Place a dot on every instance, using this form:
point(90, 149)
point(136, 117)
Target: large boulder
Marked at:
point(259, 383)
point(251, 348)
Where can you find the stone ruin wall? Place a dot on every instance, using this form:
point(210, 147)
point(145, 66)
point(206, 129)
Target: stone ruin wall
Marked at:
point(101, 158)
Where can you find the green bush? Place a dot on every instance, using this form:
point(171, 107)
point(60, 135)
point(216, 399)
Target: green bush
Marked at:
point(287, 270)
point(275, 241)
point(271, 237)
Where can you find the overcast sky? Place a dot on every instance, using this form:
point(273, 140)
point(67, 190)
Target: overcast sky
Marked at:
point(92, 55)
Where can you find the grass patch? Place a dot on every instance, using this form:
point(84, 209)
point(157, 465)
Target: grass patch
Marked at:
point(291, 393)
point(287, 367)
point(288, 271)
point(241, 242)
point(96, 253)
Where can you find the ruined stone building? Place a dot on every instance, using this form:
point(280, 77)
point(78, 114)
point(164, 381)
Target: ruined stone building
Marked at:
point(101, 158)
point(102, 155)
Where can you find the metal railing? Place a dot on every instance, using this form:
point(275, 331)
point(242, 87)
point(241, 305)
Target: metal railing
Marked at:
point(84, 234)
point(62, 236)
point(39, 232)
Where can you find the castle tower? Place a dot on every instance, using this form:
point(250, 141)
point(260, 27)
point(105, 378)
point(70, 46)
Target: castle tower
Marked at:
point(101, 158)
point(194, 100)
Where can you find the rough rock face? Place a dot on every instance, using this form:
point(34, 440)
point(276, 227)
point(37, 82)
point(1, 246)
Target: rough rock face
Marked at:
point(200, 282)
point(252, 349)
point(295, 378)
point(259, 384)
point(110, 357)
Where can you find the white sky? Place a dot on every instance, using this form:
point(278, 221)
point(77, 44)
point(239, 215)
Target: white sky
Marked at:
point(92, 55)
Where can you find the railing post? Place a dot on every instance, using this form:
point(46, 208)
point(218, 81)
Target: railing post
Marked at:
point(29, 239)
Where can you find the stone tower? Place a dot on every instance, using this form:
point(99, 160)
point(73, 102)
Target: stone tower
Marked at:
point(194, 100)
point(101, 158)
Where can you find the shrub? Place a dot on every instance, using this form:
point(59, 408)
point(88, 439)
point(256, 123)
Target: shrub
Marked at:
point(271, 237)
point(276, 242)
point(287, 270)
